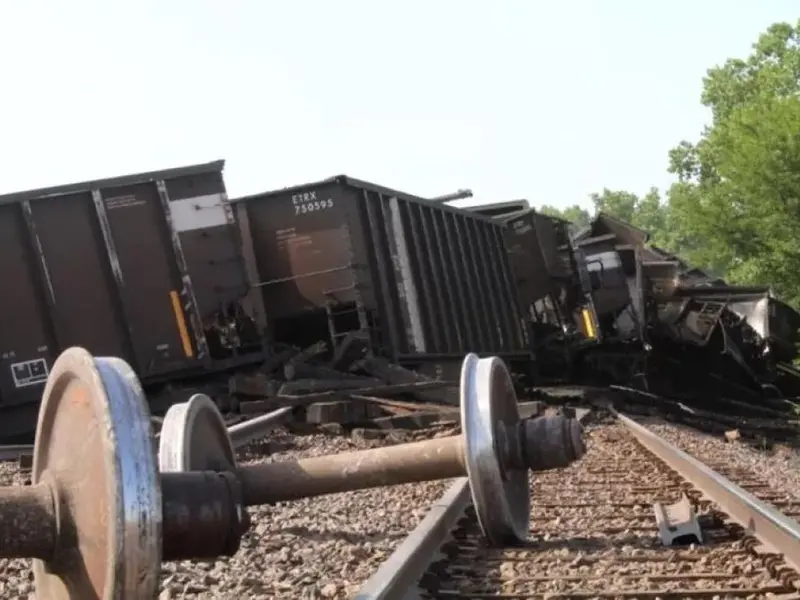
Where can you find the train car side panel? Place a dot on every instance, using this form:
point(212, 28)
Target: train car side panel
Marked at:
point(531, 275)
point(436, 318)
point(86, 308)
point(27, 340)
point(384, 276)
point(152, 300)
point(553, 237)
point(516, 339)
point(204, 222)
point(456, 285)
point(448, 318)
point(425, 281)
point(307, 248)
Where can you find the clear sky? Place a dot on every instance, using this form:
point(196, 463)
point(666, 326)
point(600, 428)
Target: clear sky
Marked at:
point(511, 98)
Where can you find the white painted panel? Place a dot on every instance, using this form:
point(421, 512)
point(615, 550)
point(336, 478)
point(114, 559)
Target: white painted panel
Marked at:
point(200, 212)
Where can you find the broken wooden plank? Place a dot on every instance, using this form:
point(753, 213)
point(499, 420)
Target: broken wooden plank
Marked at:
point(353, 347)
point(275, 402)
point(276, 361)
point(420, 420)
point(313, 386)
point(531, 409)
point(306, 354)
point(313, 371)
point(344, 412)
point(399, 406)
point(328, 395)
point(257, 384)
point(395, 374)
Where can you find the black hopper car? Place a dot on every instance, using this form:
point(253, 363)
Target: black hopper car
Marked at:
point(165, 271)
point(146, 267)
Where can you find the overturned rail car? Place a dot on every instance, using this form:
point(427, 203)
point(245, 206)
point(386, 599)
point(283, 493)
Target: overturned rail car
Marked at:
point(691, 321)
point(425, 282)
point(542, 260)
point(146, 267)
point(554, 288)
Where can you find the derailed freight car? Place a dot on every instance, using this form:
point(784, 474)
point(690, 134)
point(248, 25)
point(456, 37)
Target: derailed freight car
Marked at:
point(425, 282)
point(553, 287)
point(146, 267)
point(543, 262)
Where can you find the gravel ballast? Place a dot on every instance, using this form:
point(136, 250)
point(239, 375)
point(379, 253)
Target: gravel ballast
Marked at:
point(593, 532)
point(779, 466)
point(16, 577)
point(323, 547)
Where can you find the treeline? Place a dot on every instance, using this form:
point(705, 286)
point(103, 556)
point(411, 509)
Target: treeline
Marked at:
point(735, 207)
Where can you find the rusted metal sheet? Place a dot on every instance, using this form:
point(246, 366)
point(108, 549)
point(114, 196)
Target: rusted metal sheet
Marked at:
point(136, 267)
point(419, 277)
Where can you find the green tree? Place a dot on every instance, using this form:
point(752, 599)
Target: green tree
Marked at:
point(648, 212)
point(619, 204)
point(736, 205)
point(579, 217)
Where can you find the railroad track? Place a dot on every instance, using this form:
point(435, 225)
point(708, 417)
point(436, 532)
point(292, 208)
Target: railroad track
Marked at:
point(758, 426)
point(15, 451)
point(773, 478)
point(594, 534)
point(242, 433)
point(323, 547)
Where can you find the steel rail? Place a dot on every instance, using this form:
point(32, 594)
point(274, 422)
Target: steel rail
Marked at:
point(14, 451)
point(775, 530)
point(408, 562)
point(248, 431)
point(406, 565)
point(241, 433)
point(253, 429)
point(401, 572)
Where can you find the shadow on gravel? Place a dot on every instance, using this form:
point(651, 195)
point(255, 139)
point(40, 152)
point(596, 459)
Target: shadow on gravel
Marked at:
point(352, 537)
point(713, 535)
point(591, 544)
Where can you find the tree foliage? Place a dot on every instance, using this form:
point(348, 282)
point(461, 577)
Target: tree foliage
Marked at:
point(647, 212)
point(738, 187)
point(576, 215)
point(735, 206)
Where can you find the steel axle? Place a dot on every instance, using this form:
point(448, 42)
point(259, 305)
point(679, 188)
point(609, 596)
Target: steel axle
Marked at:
point(439, 458)
point(202, 511)
point(99, 517)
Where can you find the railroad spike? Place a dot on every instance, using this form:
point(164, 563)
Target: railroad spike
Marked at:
point(99, 517)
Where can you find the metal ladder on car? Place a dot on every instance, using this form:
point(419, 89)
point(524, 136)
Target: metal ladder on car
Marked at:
point(335, 315)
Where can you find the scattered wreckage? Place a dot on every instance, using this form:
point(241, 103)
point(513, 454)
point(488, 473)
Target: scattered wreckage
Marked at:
point(330, 295)
point(651, 317)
